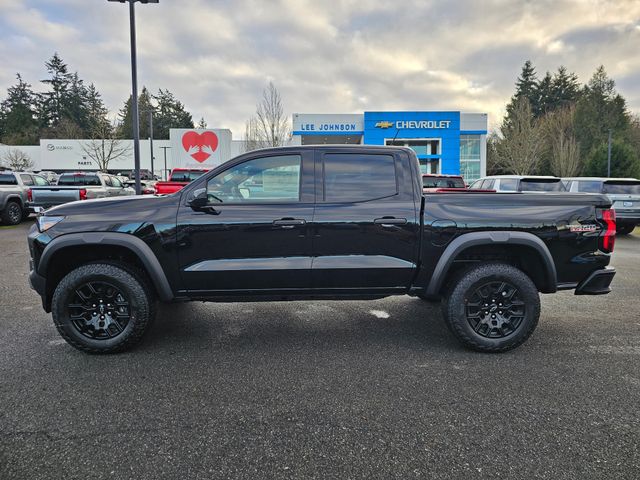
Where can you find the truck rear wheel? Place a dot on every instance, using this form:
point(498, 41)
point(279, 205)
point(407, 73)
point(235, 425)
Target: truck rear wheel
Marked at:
point(492, 307)
point(12, 213)
point(102, 308)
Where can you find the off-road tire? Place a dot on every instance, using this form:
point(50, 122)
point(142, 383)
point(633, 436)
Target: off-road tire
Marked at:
point(132, 283)
point(12, 213)
point(461, 289)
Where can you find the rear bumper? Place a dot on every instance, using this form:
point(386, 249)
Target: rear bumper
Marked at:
point(597, 283)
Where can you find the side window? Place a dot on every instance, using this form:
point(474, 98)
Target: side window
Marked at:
point(107, 180)
point(26, 179)
point(350, 177)
point(508, 185)
point(476, 185)
point(487, 184)
point(116, 182)
point(40, 181)
point(267, 179)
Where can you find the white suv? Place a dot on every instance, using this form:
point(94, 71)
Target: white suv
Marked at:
point(519, 183)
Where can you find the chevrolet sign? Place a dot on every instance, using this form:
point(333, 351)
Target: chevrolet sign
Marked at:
point(416, 124)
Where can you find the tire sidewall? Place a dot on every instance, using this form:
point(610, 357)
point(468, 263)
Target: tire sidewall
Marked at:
point(478, 276)
point(13, 206)
point(129, 285)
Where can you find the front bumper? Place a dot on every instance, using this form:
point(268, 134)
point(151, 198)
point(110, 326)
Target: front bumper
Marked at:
point(597, 283)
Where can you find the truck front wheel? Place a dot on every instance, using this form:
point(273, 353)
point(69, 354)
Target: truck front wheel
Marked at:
point(492, 307)
point(102, 308)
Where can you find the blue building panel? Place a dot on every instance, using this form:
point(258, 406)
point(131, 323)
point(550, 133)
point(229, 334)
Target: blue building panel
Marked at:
point(444, 126)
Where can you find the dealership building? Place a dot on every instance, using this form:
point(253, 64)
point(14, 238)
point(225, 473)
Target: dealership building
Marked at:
point(444, 142)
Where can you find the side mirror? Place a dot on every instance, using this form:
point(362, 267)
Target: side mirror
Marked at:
point(200, 203)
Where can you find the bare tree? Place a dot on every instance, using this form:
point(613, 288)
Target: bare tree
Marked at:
point(564, 151)
point(519, 149)
point(16, 159)
point(103, 148)
point(270, 126)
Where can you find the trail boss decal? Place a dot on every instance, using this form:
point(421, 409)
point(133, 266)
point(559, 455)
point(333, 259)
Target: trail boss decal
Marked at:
point(583, 228)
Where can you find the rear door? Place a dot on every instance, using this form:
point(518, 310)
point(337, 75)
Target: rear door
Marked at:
point(366, 225)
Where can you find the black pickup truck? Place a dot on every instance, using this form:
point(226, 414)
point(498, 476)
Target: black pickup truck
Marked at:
point(323, 222)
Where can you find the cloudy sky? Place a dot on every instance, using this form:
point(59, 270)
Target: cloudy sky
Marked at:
point(331, 56)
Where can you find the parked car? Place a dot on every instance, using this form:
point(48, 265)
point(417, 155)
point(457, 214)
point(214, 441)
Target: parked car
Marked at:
point(308, 222)
point(432, 182)
point(49, 176)
point(14, 195)
point(624, 194)
point(147, 186)
point(178, 178)
point(519, 183)
point(78, 186)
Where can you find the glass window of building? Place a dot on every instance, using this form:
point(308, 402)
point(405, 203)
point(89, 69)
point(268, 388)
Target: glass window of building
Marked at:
point(470, 157)
point(428, 151)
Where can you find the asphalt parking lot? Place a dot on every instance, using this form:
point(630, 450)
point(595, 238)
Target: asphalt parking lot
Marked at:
point(322, 389)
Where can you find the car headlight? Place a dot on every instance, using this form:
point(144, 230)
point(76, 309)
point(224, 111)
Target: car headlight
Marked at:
point(45, 222)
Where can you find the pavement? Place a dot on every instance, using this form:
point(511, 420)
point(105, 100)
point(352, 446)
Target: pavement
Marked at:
point(376, 389)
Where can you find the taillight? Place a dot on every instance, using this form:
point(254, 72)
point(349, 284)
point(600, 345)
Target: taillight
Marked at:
point(83, 194)
point(30, 195)
point(609, 235)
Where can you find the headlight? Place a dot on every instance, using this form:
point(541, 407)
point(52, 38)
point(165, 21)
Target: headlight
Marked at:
point(45, 223)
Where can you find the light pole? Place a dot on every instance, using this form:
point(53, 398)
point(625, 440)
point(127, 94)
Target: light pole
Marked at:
point(609, 155)
point(134, 88)
point(165, 162)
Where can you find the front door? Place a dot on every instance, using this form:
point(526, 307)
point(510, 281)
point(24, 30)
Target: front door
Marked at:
point(253, 233)
point(366, 223)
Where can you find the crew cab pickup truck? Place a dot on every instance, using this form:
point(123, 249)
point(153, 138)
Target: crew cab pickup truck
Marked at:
point(78, 186)
point(318, 222)
point(15, 196)
point(178, 178)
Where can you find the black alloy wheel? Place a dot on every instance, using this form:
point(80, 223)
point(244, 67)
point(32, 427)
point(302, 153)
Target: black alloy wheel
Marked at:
point(99, 310)
point(495, 310)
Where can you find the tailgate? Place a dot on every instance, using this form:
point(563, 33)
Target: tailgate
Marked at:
point(49, 196)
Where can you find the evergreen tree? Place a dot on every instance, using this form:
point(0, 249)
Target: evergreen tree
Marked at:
point(599, 110)
point(18, 125)
point(544, 101)
point(125, 129)
point(565, 88)
point(526, 87)
point(51, 103)
point(170, 113)
point(624, 161)
point(97, 122)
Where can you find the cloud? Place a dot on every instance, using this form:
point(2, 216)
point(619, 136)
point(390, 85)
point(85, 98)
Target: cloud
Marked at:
point(338, 56)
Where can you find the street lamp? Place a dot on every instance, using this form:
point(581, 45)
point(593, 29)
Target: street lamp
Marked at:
point(134, 88)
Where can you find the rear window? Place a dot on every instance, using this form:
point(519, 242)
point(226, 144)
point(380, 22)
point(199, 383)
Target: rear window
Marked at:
point(8, 179)
point(541, 185)
point(79, 180)
point(589, 186)
point(625, 188)
point(186, 176)
point(442, 182)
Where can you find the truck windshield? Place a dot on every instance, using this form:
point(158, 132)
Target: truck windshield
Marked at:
point(8, 179)
point(624, 188)
point(185, 176)
point(442, 182)
point(79, 180)
point(539, 185)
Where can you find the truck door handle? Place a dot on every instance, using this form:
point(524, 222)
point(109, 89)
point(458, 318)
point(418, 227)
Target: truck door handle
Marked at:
point(389, 221)
point(289, 223)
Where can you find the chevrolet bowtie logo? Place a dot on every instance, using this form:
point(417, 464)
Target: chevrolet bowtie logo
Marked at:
point(384, 124)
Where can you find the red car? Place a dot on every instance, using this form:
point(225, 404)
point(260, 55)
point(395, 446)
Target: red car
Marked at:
point(178, 178)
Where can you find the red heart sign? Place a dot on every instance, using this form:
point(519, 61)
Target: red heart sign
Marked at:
point(194, 142)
